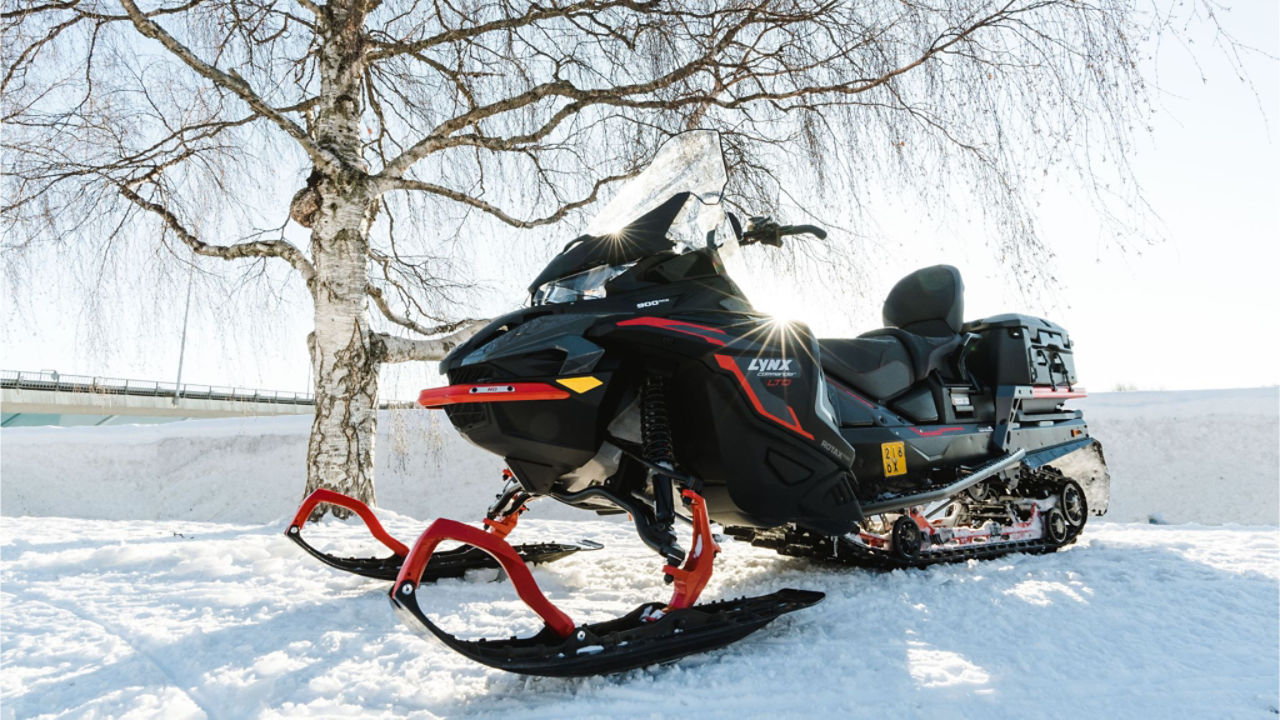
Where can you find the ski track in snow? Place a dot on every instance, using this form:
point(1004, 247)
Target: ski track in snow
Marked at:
point(105, 618)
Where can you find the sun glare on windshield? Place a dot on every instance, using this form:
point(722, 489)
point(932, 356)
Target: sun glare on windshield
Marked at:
point(782, 308)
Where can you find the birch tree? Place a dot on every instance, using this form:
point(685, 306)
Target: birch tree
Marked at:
point(128, 117)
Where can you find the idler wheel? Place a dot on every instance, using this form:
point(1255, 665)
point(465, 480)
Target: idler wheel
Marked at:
point(1074, 507)
point(980, 492)
point(1055, 527)
point(907, 539)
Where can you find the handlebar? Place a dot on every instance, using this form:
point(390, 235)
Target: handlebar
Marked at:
point(803, 230)
point(765, 230)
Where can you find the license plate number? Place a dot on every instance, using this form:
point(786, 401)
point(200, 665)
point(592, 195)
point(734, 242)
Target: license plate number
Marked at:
point(895, 458)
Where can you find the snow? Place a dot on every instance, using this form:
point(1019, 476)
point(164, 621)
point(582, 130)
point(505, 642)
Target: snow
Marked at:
point(249, 469)
point(1209, 456)
point(144, 573)
point(1195, 456)
point(180, 619)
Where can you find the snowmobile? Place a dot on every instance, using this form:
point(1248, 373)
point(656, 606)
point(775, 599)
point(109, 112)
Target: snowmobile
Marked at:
point(640, 380)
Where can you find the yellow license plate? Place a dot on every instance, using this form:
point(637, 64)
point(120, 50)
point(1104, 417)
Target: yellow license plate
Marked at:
point(895, 458)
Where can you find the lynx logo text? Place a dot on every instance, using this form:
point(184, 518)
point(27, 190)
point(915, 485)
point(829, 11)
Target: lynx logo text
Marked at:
point(772, 367)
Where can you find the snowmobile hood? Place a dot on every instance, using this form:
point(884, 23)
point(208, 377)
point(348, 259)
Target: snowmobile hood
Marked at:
point(485, 334)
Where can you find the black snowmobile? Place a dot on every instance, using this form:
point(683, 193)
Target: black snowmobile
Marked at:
point(640, 380)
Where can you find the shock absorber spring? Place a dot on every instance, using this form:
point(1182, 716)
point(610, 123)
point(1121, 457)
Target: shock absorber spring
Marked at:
point(654, 427)
point(655, 431)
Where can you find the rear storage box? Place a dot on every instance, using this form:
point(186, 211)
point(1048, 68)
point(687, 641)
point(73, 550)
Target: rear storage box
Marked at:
point(1020, 350)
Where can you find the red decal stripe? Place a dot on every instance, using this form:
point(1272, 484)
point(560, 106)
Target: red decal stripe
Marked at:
point(489, 392)
point(852, 394)
point(727, 363)
point(677, 326)
point(935, 433)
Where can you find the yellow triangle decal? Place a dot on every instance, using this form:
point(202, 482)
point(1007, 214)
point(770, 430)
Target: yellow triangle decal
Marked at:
point(580, 384)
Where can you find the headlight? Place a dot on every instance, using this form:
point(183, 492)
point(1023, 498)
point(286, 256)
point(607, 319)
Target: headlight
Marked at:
point(586, 285)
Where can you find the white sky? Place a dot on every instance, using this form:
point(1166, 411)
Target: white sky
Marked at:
point(1196, 311)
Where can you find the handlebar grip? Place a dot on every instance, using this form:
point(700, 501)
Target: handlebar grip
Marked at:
point(803, 230)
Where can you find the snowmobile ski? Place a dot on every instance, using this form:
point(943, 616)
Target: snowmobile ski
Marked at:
point(652, 633)
point(626, 643)
point(447, 564)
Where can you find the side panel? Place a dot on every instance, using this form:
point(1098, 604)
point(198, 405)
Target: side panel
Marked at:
point(930, 454)
point(752, 418)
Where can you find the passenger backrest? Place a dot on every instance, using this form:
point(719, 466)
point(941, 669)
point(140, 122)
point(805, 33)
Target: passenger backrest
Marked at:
point(929, 302)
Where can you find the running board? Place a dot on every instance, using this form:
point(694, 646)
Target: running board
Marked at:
point(982, 472)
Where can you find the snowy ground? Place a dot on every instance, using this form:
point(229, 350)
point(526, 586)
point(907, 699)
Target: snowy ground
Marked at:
point(171, 619)
point(125, 592)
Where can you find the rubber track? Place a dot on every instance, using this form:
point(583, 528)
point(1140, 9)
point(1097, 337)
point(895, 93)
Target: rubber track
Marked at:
point(844, 551)
point(795, 542)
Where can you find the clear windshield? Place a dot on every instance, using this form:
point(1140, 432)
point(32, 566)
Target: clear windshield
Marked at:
point(673, 204)
point(691, 162)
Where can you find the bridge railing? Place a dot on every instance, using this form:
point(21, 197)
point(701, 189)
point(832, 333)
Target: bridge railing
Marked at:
point(59, 382)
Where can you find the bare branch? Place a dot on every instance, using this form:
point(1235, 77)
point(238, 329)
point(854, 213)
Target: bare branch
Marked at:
point(236, 84)
point(395, 349)
point(533, 14)
point(460, 197)
point(258, 249)
point(379, 299)
point(438, 138)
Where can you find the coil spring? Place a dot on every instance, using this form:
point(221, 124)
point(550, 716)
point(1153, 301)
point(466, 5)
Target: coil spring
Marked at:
point(654, 428)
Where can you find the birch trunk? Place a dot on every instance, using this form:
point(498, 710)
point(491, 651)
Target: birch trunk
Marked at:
point(343, 358)
point(343, 204)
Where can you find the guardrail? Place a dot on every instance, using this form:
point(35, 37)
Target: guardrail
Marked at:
point(57, 382)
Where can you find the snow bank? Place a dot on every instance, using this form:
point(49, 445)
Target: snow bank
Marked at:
point(193, 620)
point(1197, 456)
point(235, 470)
point(1206, 456)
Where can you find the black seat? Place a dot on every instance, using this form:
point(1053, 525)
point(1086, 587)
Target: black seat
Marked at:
point(923, 315)
point(878, 366)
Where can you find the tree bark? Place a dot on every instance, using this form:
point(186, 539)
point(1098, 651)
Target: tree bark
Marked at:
point(343, 355)
point(341, 207)
point(394, 349)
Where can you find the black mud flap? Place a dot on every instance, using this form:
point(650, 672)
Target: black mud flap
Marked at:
point(645, 636)
point(448, 564)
